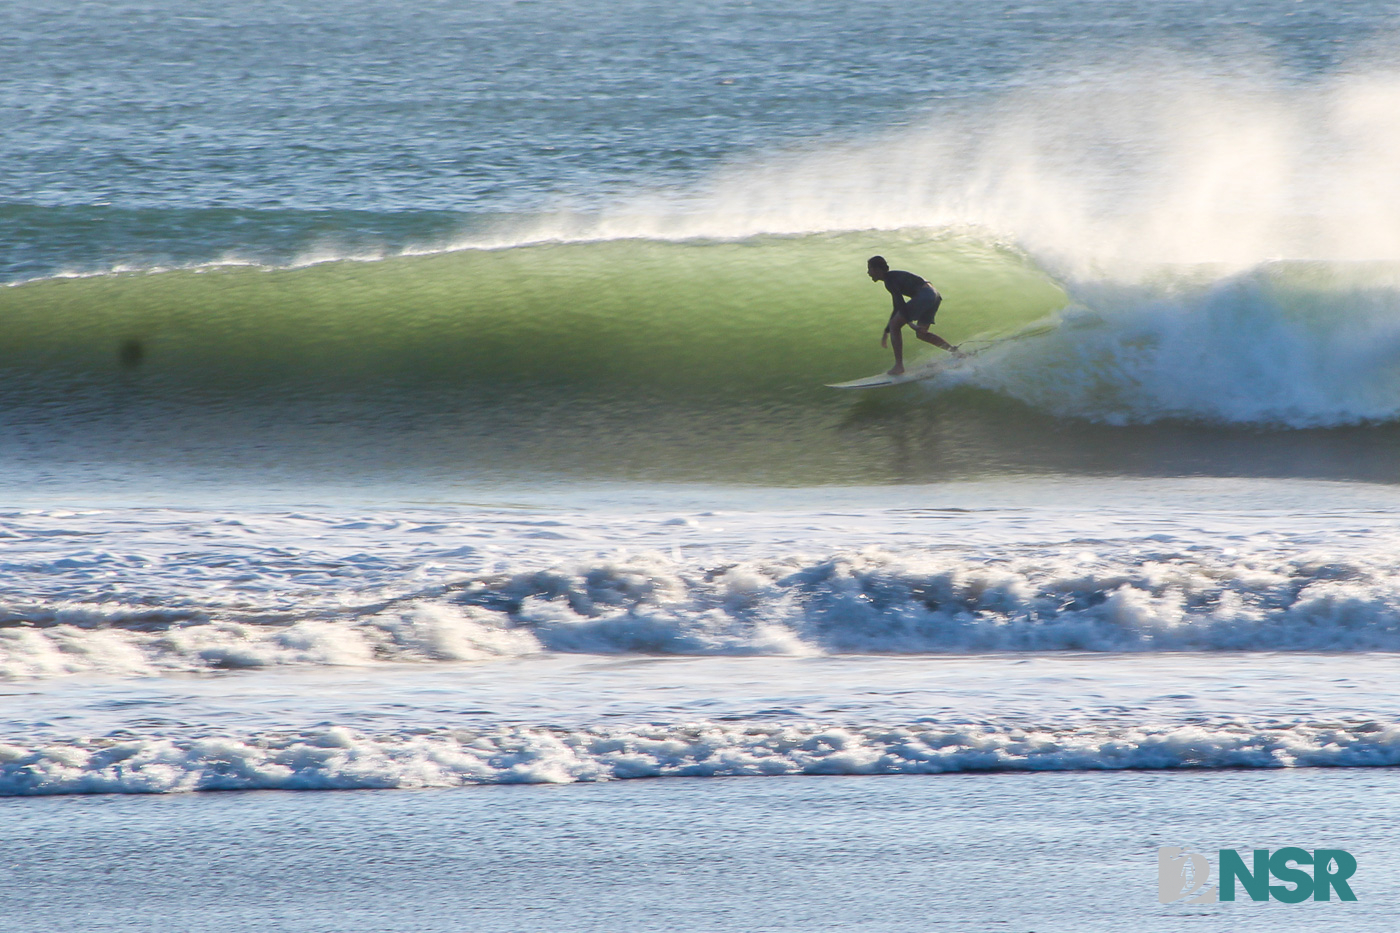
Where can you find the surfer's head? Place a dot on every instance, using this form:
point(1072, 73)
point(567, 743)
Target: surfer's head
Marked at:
point(876, 267)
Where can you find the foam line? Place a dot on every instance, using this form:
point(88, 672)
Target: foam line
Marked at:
point(342, 759)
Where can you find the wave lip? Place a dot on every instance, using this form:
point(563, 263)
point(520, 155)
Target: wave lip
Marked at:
point(342, 759)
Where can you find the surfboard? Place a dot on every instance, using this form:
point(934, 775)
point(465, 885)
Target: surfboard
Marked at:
point(930, 368)
point(915, 374)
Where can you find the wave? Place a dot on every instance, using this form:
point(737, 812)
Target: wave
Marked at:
point(1206, 250)
point(603, 317)
point(343, 759)
point(1292, 345)
point(1133, 599)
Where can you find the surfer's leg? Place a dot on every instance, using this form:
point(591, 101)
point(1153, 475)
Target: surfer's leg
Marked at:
point(923, 334)
point(897, 344)
point(925, 305)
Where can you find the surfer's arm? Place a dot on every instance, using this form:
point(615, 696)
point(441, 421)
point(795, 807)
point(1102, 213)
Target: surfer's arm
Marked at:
point(897, 313)
point(889, 326)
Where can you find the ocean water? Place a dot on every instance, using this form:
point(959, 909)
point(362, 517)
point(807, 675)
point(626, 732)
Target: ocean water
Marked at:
point(961, 853)
point(428, 399)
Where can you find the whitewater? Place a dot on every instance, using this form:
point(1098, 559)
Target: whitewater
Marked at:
point(1005, 636)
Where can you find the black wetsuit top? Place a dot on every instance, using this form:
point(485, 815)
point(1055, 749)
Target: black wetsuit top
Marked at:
point(902, 285)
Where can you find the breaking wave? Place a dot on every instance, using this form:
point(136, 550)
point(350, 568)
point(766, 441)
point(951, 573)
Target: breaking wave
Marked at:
point(1133, 599)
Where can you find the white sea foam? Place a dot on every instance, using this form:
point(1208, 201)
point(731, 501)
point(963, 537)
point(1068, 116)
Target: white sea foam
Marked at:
point(104, 593)
point(1292, 345)
point(328, 597)
point(339, 758)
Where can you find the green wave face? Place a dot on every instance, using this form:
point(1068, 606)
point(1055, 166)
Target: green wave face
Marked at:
point(685, 362)
point(732, 319)
point(614, 360)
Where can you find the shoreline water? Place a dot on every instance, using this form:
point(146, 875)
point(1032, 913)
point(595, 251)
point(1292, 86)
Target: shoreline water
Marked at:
point(1048, 853)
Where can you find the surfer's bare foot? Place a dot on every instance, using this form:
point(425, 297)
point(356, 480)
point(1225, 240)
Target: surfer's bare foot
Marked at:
point(897, 371)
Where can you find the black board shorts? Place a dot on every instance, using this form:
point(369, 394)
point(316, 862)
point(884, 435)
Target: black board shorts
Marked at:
point(923, 306)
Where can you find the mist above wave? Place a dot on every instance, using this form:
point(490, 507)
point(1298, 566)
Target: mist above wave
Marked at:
point(1097, 167)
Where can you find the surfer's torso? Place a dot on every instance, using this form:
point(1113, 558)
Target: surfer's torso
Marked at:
point(904, 284)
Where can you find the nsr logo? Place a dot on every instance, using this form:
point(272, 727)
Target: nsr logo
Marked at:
point(1186, 874)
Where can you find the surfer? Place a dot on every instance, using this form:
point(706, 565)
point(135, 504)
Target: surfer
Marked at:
point(917, 312)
